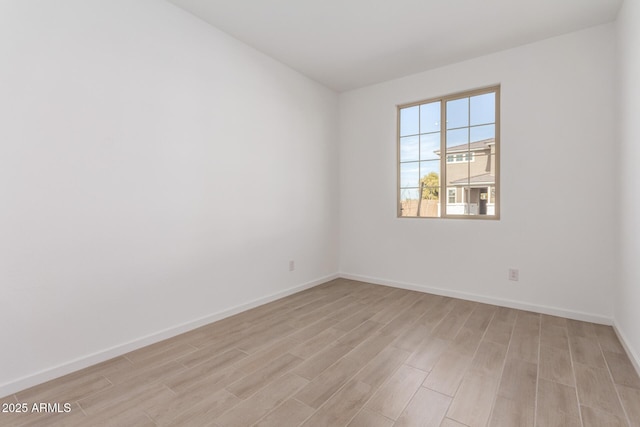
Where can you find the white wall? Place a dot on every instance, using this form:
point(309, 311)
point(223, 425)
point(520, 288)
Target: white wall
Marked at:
point(135, 143)
point(627, 304)
point(558, 183)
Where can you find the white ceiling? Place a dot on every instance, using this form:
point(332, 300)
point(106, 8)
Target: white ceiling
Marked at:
point(346, 44)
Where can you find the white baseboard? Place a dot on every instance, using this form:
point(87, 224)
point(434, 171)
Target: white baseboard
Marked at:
point(101, 356)
point(633, 356)
point(554, 311)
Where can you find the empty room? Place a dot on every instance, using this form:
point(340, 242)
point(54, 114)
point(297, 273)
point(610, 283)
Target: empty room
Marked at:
point(322, 213)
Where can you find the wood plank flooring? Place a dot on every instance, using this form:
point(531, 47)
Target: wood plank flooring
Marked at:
point(348, 353)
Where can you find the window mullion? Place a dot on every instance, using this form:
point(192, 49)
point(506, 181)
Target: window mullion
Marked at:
point(443, 158)
point(420, 183)
point(469, 151)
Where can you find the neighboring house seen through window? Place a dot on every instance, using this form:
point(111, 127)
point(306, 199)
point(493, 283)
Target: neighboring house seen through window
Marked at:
point(464, 182)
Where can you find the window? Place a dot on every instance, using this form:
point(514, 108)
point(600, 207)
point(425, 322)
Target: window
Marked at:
point(451, 195)
point(458, 158)
point(449, 156)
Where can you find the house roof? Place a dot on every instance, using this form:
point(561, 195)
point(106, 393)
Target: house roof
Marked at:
point(485, 178)
point(474, 146)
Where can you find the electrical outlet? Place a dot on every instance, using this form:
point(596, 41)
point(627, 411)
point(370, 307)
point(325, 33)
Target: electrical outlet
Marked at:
point(292, 265)
point(514, 274)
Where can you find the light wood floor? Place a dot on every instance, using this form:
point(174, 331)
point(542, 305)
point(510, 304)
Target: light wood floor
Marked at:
point(356, 354)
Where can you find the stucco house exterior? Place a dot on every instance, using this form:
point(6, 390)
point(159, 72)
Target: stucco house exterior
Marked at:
point(470, 176)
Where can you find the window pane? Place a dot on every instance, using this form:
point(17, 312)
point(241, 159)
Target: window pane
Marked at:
point(483, 201)
point(489, 180)
point(408, 201)
point(409, 194)
point(483, 109)
point(461, 206)
point(474, 200)
point(480, 133)
point(492, 166)
point(457, 139)
point(457, 173)
point(430, 117)
point(409, 121)
point(458, 113)
point(409, 148)
point(487, 207)
point(429, 145)
point(479, 163)
point(431, 193)
point(430, 173)
point(429, 205)
point(410, 174)
point(458, 178)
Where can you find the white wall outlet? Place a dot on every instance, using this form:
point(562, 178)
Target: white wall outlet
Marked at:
point(292, 265)
point(514, 274)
